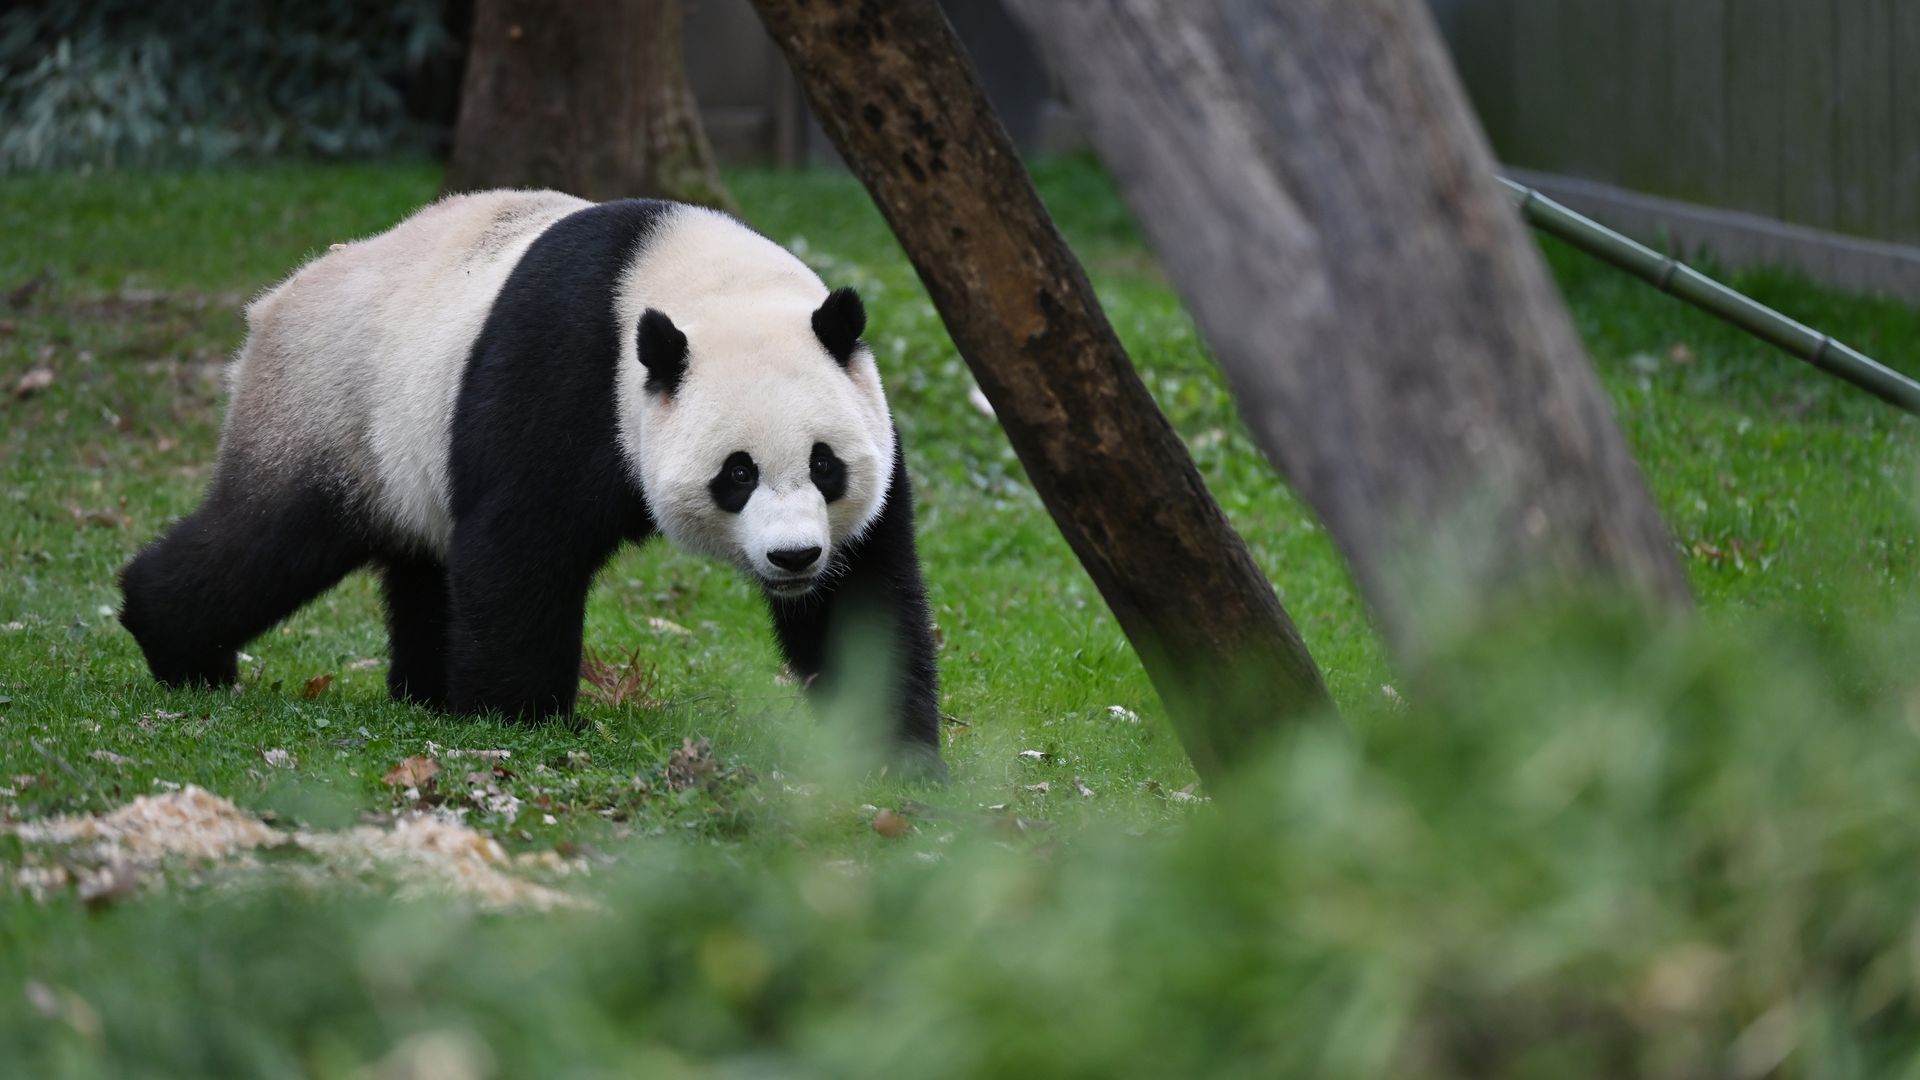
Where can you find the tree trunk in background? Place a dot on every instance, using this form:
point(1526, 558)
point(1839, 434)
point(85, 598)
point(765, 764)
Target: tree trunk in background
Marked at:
point(1315, 185)
point(587, 96)
point(895, 93)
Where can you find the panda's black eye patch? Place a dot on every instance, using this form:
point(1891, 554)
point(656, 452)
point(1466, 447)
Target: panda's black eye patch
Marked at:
point(734, 485)
point(829, 474)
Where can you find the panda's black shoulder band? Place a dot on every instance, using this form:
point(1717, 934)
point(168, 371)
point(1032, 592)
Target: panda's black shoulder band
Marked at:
point(839, 323)
point(663, 352)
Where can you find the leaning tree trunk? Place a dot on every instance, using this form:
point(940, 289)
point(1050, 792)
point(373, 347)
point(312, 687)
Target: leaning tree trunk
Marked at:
point(896, 95)
point(588, 96)
point(1310, 174)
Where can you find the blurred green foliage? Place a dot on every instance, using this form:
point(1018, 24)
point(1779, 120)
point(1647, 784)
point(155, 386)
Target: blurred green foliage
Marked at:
point(1582, 849)
point(124, 83)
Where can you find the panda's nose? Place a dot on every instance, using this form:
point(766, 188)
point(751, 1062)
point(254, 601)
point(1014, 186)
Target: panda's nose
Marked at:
point(794, 559)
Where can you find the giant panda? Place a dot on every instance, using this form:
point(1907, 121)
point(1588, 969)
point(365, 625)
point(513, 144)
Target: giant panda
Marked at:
point(487, 400)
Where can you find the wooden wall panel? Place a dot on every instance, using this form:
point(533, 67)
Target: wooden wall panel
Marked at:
point(1756, 104)
point(1806, 111)
point(1536, 121)
point(1481, 34)
point(1591, 98)
point(1805, 64)
point(1697, 100)
point(1863, 130)
point(1902, 216)
point(1642, 68)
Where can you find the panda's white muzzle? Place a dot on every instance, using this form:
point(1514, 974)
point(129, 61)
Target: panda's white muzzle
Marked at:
point(786, 538)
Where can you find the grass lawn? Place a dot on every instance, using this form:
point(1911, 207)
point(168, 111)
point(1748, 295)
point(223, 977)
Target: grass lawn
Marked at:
point(1575, 849)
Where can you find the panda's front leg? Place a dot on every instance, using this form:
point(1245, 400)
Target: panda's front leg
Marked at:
point(877, 592)
point(517, 600)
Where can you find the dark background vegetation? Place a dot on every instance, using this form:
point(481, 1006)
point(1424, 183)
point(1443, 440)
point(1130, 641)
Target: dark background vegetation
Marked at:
point(127, 83)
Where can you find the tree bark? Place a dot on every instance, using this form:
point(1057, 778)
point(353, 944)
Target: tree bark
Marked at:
point(896, 95)
point(1315, 185)
point(588, 97)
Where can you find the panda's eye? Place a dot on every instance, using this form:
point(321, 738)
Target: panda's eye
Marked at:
point(733, 485)
point(829, 475)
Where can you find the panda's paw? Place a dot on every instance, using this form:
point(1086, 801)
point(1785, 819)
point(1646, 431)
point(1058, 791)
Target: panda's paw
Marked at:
point(917, 763)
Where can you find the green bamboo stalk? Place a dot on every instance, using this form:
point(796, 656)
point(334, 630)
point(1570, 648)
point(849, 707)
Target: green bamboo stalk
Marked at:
point(1678, 279)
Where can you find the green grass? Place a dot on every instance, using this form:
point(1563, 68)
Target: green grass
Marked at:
point(1580, 849)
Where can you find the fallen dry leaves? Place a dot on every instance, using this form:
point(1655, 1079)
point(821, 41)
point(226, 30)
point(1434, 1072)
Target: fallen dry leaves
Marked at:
point(413, 772)
point(32, 382)
point(455, 782)
point(1014, 825)
point(105, 519)
point(316, 686)
point(1188, 794)
point(453, 752)
point(692, 765)
point(1737, 552)
point(891, 825)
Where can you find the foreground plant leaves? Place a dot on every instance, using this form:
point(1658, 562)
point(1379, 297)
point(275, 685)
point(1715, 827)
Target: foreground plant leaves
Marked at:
point(613, 684)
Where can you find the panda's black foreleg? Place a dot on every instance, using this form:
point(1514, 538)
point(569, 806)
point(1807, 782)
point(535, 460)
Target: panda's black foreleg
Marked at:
point(876, 593)
point(228, 572)
point(415, 591)
point(517, 582)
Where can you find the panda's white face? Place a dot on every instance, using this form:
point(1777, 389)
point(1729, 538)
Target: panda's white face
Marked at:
point(751, 415)
point(774, 473)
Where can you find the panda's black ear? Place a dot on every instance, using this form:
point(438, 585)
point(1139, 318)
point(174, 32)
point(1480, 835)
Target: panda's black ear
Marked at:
point(840, 322)
point(663, 352)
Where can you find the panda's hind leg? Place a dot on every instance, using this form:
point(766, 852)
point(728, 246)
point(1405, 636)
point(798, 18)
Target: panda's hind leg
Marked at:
point(415, 590)
point(228, 572)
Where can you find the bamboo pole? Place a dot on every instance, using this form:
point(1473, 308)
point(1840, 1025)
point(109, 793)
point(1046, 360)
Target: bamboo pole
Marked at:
point(1677, 279)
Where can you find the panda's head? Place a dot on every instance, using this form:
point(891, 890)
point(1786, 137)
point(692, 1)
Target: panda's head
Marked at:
point(764, 437)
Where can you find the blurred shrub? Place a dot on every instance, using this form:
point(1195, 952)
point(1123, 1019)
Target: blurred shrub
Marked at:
point(117, 83)
point(1579, 849)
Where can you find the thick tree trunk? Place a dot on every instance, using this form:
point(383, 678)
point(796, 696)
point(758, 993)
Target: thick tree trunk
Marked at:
point(588, 96)
point(896, 95)
point(1316, 187)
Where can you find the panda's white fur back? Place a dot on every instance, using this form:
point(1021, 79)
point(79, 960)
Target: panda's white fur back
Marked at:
point(358, 356)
